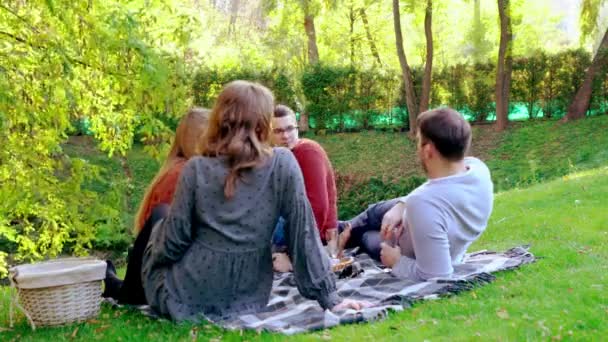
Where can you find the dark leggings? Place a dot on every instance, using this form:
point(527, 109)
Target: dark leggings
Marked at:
point(365, 232)
point(130, 290)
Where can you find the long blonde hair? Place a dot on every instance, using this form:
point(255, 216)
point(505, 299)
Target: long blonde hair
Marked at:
point(186, 144)
point(239, 128)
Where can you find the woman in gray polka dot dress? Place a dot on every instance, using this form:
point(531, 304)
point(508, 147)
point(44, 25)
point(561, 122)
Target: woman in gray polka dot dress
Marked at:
point(212, 254)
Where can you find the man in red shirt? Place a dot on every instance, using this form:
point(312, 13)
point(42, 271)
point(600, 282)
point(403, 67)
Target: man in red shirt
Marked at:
point(316, 168)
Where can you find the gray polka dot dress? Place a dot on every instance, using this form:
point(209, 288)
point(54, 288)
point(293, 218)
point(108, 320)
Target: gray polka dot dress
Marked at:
point(212, 256)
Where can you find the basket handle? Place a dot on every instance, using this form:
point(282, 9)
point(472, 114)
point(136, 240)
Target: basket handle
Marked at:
point(15, 304)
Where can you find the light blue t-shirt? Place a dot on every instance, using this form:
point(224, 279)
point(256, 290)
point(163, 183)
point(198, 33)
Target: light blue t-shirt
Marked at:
point(442, 218)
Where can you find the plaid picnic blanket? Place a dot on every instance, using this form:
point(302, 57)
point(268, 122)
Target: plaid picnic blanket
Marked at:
point(290, 313)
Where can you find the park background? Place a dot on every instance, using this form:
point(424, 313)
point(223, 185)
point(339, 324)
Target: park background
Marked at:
point(91, 91)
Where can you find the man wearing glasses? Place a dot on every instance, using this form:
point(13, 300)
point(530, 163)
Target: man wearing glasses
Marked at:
point(318, 178)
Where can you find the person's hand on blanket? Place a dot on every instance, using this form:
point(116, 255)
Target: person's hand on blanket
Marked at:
point(389, 255)
point(392, 222)
point(281, 262)
point(351, 304)
point(343, 238)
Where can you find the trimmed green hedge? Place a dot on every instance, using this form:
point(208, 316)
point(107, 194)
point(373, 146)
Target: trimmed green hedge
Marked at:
point(209, 82)
point(339, 98)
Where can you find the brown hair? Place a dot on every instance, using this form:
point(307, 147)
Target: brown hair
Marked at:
point(447, 130)
point(185, 145)
point(282, 111)
point(239, 128)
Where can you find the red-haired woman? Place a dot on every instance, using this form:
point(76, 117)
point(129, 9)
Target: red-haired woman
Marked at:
point(155, 205)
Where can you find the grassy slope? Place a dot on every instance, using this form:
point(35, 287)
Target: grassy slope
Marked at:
point(526, 154)
point(563, 295)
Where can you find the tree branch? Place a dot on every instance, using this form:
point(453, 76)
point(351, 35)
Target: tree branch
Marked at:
point(66, 56)
point(19, 17)
point(19, 39)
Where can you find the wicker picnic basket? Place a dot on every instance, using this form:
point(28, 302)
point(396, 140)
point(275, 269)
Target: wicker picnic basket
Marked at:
point(58, 292)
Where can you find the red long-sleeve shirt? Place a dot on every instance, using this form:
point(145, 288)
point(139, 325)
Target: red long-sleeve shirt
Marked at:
point(163, 191)
point(319, 182)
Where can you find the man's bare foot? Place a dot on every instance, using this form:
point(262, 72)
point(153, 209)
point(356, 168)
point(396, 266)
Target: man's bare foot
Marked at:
point(343, 238)
point(281, 262)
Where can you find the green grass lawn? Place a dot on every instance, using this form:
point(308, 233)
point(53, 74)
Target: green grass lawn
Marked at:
point(562, 296)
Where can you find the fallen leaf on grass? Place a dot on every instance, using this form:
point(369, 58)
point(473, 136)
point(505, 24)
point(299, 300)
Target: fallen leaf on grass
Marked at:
point(502, 313)
point(584, 250)
point(5, 329)
point(194, 334)
point(93, 321)
point(74, 333)
point(325, 336)
point(102, 328)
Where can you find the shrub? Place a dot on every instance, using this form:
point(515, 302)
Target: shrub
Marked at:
point(355, 194)
point(599, 97)
point(209, 82)
point(528, 82)
point(480, 91)
point(330, 92)
point(567, 70)
point(449, 85)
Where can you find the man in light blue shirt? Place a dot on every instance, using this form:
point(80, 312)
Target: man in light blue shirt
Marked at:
point(422, 235)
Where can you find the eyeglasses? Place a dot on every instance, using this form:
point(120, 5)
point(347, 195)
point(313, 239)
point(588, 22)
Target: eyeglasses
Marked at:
point(287, 129)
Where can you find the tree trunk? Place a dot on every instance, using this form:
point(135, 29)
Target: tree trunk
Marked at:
point(476, 14)
point(303, 122)
point(370, 39)
point(580, 103)
point(352, 19)
point(548, 110)
point(313, 54)
point(309, 26)
point(406, 73)
point(234, 11)
point(505, 61)
point(477, 41)
point(428, 67)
